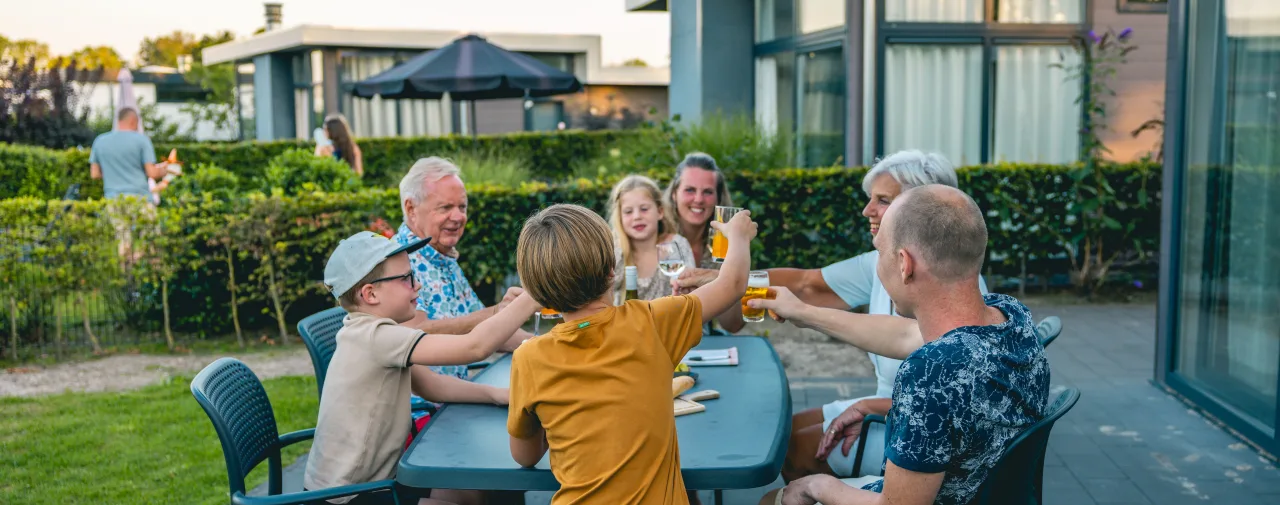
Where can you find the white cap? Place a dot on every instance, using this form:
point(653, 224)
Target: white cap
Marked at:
point(358, 255)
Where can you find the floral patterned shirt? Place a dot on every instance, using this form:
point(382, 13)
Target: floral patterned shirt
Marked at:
point(958, 401)
point(443, 291)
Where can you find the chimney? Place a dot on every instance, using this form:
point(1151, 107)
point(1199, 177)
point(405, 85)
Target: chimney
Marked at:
point(273, 15)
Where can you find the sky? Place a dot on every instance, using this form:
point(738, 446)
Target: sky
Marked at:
point(68, 25)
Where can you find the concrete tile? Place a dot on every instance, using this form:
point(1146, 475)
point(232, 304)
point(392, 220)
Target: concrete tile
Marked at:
point(1114, 491)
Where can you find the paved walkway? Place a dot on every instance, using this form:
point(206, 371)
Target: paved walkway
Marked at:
point(1125, 442)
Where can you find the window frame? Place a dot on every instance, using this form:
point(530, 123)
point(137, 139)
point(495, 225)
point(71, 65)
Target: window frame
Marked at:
point(989, 33)
point(1131, 7)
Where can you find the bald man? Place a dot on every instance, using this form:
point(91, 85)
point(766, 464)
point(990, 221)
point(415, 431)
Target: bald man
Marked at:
point(976, 379)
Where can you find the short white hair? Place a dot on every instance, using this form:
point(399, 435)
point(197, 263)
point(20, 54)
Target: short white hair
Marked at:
point(913, 168)
point(423, 171)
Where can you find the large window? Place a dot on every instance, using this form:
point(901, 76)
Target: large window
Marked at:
point(935, 101)
point(800, 76)
point(972, 79)
point(1227, 322)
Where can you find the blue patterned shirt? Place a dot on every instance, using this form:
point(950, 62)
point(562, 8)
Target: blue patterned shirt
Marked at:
point(958, 401)
point(443, 290)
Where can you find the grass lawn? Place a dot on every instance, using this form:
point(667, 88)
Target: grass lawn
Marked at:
point(153, 445)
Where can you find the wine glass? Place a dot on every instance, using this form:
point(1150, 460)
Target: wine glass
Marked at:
point(670, 261)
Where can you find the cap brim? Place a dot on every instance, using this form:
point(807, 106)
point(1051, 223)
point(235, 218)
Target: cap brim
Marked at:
point(411, 247)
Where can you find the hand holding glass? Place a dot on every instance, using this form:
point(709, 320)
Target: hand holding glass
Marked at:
point(757, 287)
point(719, 242)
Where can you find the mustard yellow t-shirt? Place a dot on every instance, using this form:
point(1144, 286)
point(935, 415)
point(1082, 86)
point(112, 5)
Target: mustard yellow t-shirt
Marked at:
point(601, 387)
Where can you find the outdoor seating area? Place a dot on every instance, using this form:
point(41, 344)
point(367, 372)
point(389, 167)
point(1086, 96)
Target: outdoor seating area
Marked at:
point(919, 252)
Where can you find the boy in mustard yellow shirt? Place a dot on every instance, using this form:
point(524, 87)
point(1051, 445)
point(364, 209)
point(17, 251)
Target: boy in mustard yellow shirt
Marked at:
point(596, 389)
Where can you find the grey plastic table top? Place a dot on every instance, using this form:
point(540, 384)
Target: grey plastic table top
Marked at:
point(739, 442)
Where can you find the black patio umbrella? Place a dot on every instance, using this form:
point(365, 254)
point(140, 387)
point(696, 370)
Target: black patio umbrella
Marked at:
point(469, 68)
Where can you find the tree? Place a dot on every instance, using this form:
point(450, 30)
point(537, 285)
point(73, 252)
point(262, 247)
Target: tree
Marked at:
point(21, 51)
point(164, 50)
point(40, 106)
point(102, 57)
point(635, 62)
point(218, 80)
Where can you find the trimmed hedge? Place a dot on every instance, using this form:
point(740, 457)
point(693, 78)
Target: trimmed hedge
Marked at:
point(808, 218)
point(44, 173)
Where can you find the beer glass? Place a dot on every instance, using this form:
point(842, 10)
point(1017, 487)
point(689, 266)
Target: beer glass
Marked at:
point(757, 287)
point(719, 242)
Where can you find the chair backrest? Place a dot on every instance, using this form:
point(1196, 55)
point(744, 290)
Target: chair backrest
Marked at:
point(235, 401)
point(320, 332)
point(1018, 478)
point(1048, 330)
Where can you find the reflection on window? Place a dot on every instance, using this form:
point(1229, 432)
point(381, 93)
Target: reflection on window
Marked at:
point(933, 100)
point(1036, 117)
point(822, 108)
point(939, 11)
point(818, 15)
point(1039, 11)
point(775, 19)
point(1230, 283)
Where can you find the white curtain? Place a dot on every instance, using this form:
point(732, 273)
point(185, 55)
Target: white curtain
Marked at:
point(818, 15)
point(1036, 117)
point(946, 11)
point(767, 93)
point(933, 100)
point(376, 117)
point(1038, 11)
point(822, 111)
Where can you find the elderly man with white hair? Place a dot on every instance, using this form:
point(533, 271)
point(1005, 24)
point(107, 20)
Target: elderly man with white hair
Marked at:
point(434, 202)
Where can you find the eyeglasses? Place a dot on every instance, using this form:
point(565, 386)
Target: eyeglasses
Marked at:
point(413, 281)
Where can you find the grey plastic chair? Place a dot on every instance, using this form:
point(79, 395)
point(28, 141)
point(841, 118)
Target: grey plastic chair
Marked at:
point(236, 403)
point(1048, 330)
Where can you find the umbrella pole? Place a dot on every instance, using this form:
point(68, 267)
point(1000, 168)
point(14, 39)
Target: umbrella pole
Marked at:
point(472, 119)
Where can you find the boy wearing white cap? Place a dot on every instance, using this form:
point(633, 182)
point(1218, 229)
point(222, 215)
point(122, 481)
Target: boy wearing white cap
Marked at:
point(364, 411)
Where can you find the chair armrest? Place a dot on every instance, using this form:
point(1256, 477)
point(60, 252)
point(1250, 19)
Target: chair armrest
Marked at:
point(862, 438)
point(314, 496)
point(298, 436)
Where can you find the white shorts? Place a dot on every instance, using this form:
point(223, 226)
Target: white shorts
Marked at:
point(872, 456)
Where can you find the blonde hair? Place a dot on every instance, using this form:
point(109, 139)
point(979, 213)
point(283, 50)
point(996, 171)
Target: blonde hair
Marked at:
point(701, 161)
point(565, 257)
point(666, 225)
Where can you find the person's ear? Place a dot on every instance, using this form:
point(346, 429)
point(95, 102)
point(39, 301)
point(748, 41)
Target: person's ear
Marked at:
point(907, 263)
point(369, 294)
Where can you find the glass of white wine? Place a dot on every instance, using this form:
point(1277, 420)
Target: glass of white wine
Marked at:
point(670, 262)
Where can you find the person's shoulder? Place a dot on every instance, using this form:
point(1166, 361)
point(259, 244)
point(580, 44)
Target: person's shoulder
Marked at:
point(1014, 309)
point(361, 325)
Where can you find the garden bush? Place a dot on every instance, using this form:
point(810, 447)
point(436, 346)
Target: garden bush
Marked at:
point(252, 261)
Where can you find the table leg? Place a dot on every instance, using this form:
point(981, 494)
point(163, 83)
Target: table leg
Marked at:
point(719, 499)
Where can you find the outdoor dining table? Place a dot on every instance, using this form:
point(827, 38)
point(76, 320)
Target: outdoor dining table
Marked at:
point(739, 442)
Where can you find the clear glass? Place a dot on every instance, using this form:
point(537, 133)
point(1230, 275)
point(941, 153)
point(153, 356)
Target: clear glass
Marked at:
point(757, 287)
point(719, 242)
point(819, 15)
point(1037, 119)
point(670, 262)
point(1039, 11)
point(1228, 328)
point(821, 122)
point(934, 11)
point(933, 100)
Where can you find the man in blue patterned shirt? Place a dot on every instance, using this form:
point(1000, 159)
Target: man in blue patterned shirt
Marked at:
point(434, 202)
point(978, 379)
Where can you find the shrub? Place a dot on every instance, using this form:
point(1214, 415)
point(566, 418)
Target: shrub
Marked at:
point(296, 171)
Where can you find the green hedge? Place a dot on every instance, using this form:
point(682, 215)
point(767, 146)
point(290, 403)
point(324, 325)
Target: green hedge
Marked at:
point(44, 173)
point(808, 218)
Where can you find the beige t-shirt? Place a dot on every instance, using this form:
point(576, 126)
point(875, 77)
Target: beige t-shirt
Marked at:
point(364, 411)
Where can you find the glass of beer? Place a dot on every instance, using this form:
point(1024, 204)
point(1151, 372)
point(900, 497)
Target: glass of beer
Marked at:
point(719, 242)
point(757, 287)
